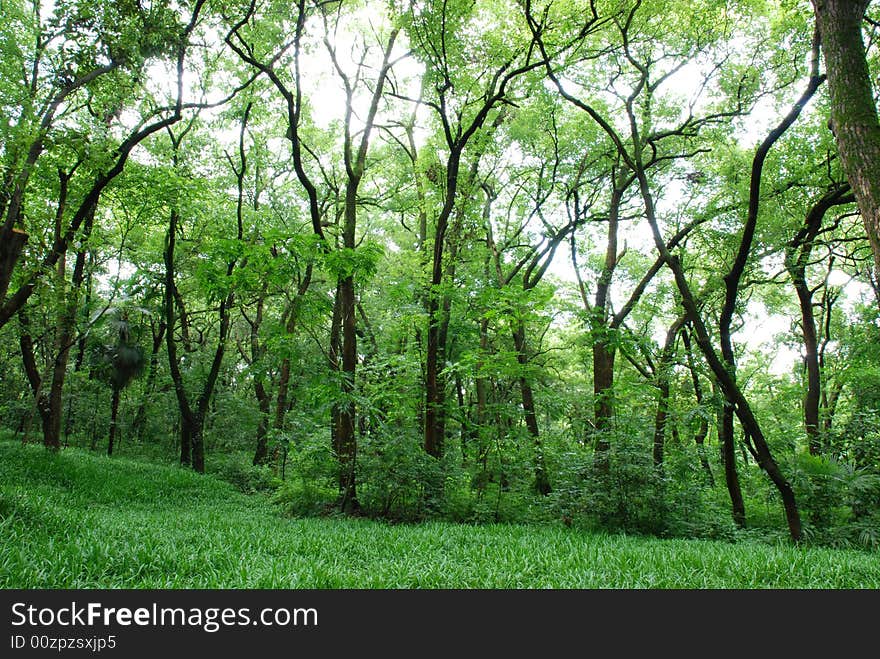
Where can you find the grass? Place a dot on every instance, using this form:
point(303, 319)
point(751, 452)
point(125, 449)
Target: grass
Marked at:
point(78, 520)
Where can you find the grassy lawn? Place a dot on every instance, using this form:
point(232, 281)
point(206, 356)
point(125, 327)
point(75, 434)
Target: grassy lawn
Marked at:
point(77, 520)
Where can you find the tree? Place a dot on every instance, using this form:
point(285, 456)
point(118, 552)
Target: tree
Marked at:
point(853, 110)
point(119, 363)
point(462, 99)
point(130, 50)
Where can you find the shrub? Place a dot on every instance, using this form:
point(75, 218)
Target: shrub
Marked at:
point(397, 479)
point(630, 494)
point(309, 472)
point(622, 493)
point(238, 469)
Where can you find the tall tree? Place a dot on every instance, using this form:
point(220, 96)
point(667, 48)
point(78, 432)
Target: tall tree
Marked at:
point(130, 49)
point(193, 412)
point(462, 98)
point(853, 110)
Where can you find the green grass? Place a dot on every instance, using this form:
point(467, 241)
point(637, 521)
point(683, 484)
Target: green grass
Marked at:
point(77, 520)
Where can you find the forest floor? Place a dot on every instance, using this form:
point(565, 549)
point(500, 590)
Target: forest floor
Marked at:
point(80, 520)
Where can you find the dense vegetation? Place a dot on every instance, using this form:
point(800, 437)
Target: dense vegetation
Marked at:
point(63, 527)
point(610, 265)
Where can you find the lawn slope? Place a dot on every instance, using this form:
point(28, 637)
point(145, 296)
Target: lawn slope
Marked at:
point(78, 520)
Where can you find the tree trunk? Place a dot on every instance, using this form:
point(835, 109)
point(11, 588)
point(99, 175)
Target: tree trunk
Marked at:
point(728, 384)
point(728, 456)
point(542, 480)
point(41, 401)
point(435, 417)
point(663, 371)
point(334, 363)
point(482, 386)
point(853, 111)
point(798, 254)
point(66, 322)
point(11, 243)
point(603, 401)
point(114, 410)
point(346, 438)
point(703, 429)
point(192, 446)
point(811, 361)
point(603, 351)
point(185, 442)
point(281, 396)
point(197, 443)
point(261, 452)
point(732, 281)
point(140, 418)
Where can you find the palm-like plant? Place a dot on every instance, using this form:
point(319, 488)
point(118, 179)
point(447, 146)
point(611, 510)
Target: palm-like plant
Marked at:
point(118, 364)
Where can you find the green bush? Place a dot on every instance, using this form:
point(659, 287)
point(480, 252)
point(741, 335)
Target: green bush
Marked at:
point(628, 493)
point(693, 508)
point(819, 489)
point(306, 498)
point(623, 492)
point(397, 479)
point(309, 474)
point(238, 469)
point(839, 501)
point(863, 496)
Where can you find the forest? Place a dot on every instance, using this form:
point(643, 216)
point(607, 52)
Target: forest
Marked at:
point(605, 265)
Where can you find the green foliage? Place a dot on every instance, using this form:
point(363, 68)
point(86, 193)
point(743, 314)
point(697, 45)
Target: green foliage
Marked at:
point(536, 175)
point(309, 475)
point(629, 494)
point(360, 263)
point(624, 494)
point(398, 479)
point(239, 470)
point(840, 502)
point(66, 525)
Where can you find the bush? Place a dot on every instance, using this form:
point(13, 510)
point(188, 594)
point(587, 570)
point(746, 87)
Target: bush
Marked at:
point(623, 492)
point(693, 508)
point(238, 469)
point(397, 479)
point(306, 498)
point(310, 475)
point(629, 494)
point(863, 496)
point(839, 501)
point(819, 489)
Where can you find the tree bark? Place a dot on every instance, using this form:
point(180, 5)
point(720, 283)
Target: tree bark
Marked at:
point(261, 450)
point(603, 348)
point(732, 281)
point(114, 412)
point(542, 480)
point(333, 358)
point(798, 255)
point(140, 418)
point(663, 386)
point(32, 371)
point(853, 111)
point(703, 429)
point(292, 315)
point(69, 304)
